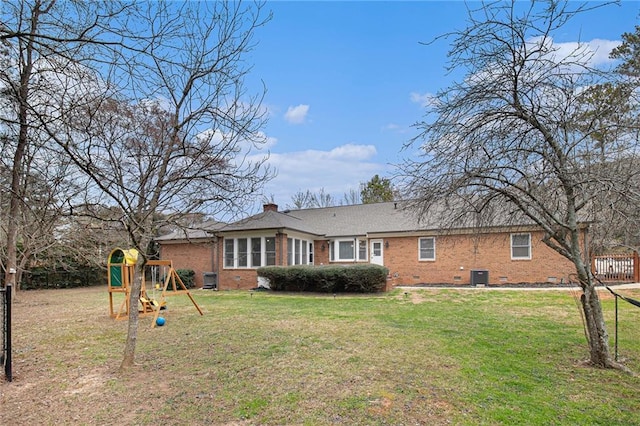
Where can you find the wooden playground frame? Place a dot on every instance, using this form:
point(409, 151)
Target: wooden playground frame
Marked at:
point(121, 269)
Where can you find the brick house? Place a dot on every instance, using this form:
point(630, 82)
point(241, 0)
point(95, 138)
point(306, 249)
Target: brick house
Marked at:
point(415, 252)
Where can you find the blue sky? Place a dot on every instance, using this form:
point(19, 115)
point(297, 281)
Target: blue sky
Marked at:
point(345, 81)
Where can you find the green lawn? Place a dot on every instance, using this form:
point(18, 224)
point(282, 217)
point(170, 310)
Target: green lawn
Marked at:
point(427, 357)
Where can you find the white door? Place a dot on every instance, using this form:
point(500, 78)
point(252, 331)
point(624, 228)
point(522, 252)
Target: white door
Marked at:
point(376, 252)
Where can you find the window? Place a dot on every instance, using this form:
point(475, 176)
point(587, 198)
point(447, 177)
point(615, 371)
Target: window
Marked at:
point(345, 250)
point(377, 249)
point(299, 252)
point(348, 250)
point(362, 249)
point(249, 252)
point(296, 256)
point(270, 250)
point(229, 255)
point(520, 246)
point(427, 248)
point(256, 251)
point(242, 252)
point(304, 246)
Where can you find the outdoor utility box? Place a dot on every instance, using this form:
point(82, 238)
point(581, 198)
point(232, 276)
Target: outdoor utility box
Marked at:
point(479, 277)
point(210, 280)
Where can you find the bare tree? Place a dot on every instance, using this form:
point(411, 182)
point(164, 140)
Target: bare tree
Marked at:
point(151, 107)
point(606, 108)
point(36, 182)
point(506, 135)
point(47, 191)
point(309, 200)
point(350, 198)
point(301, 200)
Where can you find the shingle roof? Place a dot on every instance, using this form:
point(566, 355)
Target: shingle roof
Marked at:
point(366, 219)
point(207, 230)
point(271, 220)
point(359, 219)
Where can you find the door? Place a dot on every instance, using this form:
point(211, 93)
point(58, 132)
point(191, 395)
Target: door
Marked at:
point(376, 252)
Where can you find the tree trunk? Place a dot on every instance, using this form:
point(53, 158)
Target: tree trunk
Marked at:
point(596, 329)
point(128, 359)
point(16, 197)
point(600, 355)
point(17, 190)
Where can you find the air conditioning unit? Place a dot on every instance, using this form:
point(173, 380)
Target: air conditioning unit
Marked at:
point(479, 277)
point(210, 280)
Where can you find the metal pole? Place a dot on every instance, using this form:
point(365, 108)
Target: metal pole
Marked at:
point(7, 363)
point(616, 340)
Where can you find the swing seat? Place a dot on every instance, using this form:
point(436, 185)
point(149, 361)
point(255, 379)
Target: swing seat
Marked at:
point(150, 305)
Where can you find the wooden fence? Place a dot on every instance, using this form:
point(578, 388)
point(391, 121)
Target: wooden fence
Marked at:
point(617, 267)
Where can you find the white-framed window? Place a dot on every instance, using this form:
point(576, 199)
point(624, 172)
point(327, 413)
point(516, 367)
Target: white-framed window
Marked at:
point(299, 252)
point(348, 250)
point(250, 252)
point(229, 253)
point(270, 251)
point(242, 246)
point(362, 249)
point(520, 246)
point(427, 248)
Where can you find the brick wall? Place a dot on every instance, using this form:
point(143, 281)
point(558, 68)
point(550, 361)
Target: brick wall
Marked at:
point(197, 256)
point(244, 279)
point(457, 255)
point(321, 252)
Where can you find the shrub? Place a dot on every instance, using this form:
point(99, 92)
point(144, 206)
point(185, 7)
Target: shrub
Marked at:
point(187, 276)
point(329, 279)
point(42, 278)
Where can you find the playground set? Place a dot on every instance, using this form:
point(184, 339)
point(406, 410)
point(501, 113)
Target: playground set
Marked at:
point(163, 280)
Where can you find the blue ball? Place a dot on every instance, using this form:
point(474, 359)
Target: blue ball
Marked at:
point(160, 321)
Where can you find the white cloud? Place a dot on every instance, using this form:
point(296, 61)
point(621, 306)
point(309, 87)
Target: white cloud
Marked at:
point(395, 128)
point(596, 51)
point(592, 53)
point(352, 152)
point(337, 171)
point(423, 99)
point(296, 114)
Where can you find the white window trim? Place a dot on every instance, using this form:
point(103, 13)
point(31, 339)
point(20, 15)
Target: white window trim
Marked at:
point(298, 258)
point(334, 247)
point(366, 249)
point(529, 246)
point(427, 259)
point(263, 251)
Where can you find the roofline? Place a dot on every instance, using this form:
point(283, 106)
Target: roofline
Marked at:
point(464, 231)
point(182, 240)
point(279, 230)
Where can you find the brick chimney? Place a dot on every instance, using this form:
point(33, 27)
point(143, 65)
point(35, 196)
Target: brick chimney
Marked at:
point(271, 207)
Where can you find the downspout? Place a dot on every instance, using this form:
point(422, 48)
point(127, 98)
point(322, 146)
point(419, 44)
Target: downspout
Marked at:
point(214, 256)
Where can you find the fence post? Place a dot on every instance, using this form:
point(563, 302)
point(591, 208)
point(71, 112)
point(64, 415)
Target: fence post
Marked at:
point(7, 361)
point(636, 267)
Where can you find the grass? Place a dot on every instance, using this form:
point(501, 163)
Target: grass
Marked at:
point(427, 357)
